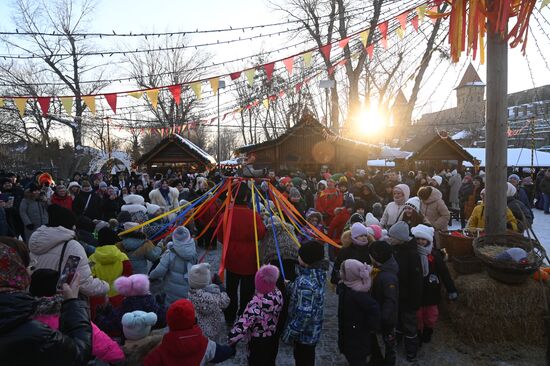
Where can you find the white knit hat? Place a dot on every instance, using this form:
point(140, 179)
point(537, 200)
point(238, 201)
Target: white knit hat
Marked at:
point(134, 199)
point(423, 232)
point(152, 208)
point(510, 190)
point(438, 179)
point(371, 220)
point(414, 202)
point(358, 229)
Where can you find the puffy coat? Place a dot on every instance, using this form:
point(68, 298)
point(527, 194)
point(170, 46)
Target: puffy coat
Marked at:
point(241, 252)
point(32, 212)
point(385, 290)
point(139, 250)
point(454, 182)
point(66, 202)
point(438, 272)
point(46, 245)
point(435, 210)
point(338, 223)
point(327, 201)
point(358, 318)
point(173, 269)
point(286, 245)
point(158, 199)
point(410, 275)
point(108, 264)
point(24, 341)
point(477, 219)
point(209, 303)
point(391, 214)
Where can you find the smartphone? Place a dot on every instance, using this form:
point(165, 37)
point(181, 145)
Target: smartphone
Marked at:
point(69, 271)
point(10, 201)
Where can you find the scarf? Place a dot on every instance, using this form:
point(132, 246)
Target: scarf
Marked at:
point(424, 252)
point(164, 193)
point(356, 275)
point(13, 273)
point(360, 243)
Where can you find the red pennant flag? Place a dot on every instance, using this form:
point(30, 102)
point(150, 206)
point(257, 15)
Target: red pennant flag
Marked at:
point(281, 93)
point(269, 69)
point(325, 51)
point(383, 27)
point(225, 115)
point(438, 2)
point(370, 50)
point(176, 93)
point(402, 18)
point(414, 22)
point(331, 70)
point(272, 97)
point(384, 43)
point(289, 64)
point(213, 119)
point(235, 75)
point(44, 105)
point(344, 42)
point(111, 100)
point(342, 62)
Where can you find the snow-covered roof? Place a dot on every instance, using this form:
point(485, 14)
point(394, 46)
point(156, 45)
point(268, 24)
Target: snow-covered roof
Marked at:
point(517, 157)
point(461, 135)
point(387, 152)
point(230, 162)
point(197, 149)
point(380, 163)
point(100, 158)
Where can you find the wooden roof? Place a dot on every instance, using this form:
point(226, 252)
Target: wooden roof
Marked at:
point(436, 147)
point(176, 149)
point(470, 77)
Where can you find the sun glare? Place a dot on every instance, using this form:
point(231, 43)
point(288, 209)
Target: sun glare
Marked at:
point(371, 121)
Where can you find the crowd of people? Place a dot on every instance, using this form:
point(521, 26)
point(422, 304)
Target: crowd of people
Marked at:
point(383, 261)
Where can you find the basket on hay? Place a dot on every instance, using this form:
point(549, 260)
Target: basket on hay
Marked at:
point(486, 248)
point(458, 243)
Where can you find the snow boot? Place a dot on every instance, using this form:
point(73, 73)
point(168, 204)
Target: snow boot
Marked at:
point(411, 348)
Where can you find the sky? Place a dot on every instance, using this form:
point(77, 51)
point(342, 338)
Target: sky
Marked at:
point(170, 15)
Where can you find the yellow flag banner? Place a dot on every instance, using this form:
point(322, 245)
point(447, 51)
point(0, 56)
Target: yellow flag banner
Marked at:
point(400, 32)
point(364, 35)
point(153, 96)
point(197, 88)
point(215, 84)
point(421, 11)
point(544, 3)
point(250, 76)
point(136, 95)
point(20, 103)
point(2, 104)
point(90, 102)
point(307, 58)
point(67, 104)
point(266, 103)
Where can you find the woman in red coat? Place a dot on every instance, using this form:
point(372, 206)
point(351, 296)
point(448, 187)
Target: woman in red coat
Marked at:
point(62, 198)
point(240, 259)
point(328, 200)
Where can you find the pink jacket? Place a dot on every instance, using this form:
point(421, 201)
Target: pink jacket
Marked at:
point(103, 347)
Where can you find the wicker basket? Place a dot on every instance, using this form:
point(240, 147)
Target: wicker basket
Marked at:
point(509, 271)
point(467, 265)
point(457, 246)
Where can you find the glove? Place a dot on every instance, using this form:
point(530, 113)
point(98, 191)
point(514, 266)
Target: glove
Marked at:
point(453, 296)
point(30, 226)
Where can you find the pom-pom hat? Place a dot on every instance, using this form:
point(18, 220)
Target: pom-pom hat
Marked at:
point(266, 279)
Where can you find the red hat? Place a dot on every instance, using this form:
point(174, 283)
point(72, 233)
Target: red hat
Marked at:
point(181, 315)
point(45, 178)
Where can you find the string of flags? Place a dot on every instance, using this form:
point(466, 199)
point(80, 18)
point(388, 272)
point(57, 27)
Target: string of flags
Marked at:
point(197, 86)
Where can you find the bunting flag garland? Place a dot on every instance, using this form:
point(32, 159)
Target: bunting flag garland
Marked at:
point(111, 100)
point(364, 35)
point(269, 70)
point(421, 11)
point(289, 64)
point(383, 27)
point(153, 96)
point(235, 75)
point(21, 104)
point(325, 51)
point(298, 87)
point(136, 95)
point(307, 58)
point(343, 43)
point(400, 33)
point(250, 76)
point(266, 103)
point(175, 90)
point(67, 103)
point(544, 3)
point(2, 104)
point(402, 18)
point(414, 22)
point(370, 51)
point(44, 103)
point(215, 84)
point(197, 88)
point(90, 102)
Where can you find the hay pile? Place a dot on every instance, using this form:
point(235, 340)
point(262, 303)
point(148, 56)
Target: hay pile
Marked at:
point(490, 311)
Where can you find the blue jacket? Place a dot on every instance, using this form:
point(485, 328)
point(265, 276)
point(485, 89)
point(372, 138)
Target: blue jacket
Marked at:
point(173, 268)
point(139, 251)
point(305, 309)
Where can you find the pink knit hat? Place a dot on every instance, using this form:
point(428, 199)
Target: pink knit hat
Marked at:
point(266, 279)
point(135, 285)
point(377, 231)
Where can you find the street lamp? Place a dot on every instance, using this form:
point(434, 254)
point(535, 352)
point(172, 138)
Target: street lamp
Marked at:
point(326, 84)
point(221, 85)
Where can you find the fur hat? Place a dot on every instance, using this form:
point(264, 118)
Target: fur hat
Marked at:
point(181, 234)
point(380, 251)
point(135, 285)
point(266, 279)
point(371, 220)
point(414, 202)
point(199, 275)
point(152, 208)
point(399, 231)
point(137, 324)
point(60, 216)
point(437, 179)
point(311, 251)
point(106, 236)
point(510, 190)
point(181, 315)
point(134, 199)
point(377, 231)
point(423, 232)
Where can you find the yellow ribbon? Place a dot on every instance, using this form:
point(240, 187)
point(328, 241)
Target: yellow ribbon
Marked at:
point(255, 226)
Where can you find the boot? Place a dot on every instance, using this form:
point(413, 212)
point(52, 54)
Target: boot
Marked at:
point(389, 352)
point(427, 335)
point(411, 348)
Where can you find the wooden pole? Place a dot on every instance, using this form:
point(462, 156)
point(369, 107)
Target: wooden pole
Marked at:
point(496, 133)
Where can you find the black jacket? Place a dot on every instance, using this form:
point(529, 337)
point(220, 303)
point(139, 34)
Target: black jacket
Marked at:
point(361, 253)
point(358, 318)
point(431, 291)
point(410, 275)
point(29, 342)
point(110, 208)
point(520, 210)
point(385, 290)
point(93, 211)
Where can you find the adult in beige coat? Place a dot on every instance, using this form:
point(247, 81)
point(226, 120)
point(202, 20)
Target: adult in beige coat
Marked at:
point(166, 197)
point(433, 207)
point(46, 245)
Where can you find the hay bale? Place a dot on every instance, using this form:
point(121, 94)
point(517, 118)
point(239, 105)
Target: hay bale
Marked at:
point(491, 311)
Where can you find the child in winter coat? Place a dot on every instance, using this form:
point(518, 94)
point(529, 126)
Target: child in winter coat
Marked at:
point(314, 218)
point(209, 300)
point(185, 344)
point(305, 310)
point(434, 270)
point(175, 263)
point(258, 323)
point(285, 246)
point(139, 249)
point(385, 291)
point(354, 246)
point(48, 310)
point(358, 312)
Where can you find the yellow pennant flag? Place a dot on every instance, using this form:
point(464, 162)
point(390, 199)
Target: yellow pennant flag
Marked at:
point(544, 3)
point(364, 35)
point(90, 102)
point(153, 96)
point(2, 104)
point(215, 84)
point(197, 88)
point(21, 104)
point(266, 103)
point(67, 104)
point(421, 10)
point(400, 32)
point(356, 55)
point(250, 76)
point(136, 95)
point(307, 58)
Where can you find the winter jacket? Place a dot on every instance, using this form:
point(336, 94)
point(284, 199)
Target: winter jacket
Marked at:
point(520, 210)
point(187, 347)
point(361, 253)
point(438, 272)
point(545, 185)
point(139, 250)
point(110, 208)
point(32, 212)
point(327, 201)
point(410, 275)
point(523, 196)
point(93, 202)
point(173, 269)
point(385, 290)
point(209, 303)
point(28, 342)
point(5, 229)
point(391, 214)
point(477, 219)
point(66, 202)
point(46, 245)
point(285, 245)
point(336, 227)
point(109, 263)
point(157, 198)
point(454, 182)
point(241, 252)
point(260, 317)
point(358, 318)
point(103, 347)
point(306, 305)
point(435, 210)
